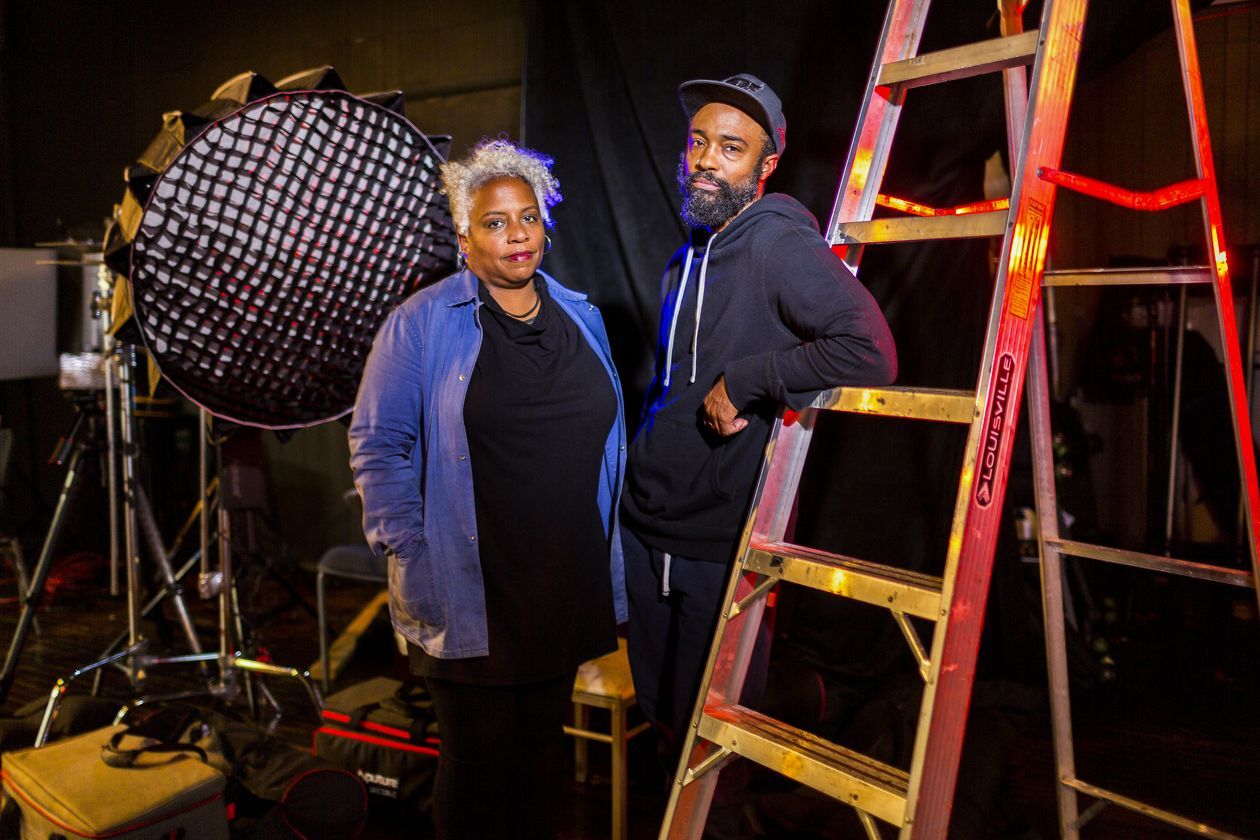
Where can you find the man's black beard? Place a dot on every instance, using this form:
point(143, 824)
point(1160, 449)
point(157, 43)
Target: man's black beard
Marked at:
point(712, 209)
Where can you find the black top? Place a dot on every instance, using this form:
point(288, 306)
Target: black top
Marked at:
point(782, 319)
point(538, 411)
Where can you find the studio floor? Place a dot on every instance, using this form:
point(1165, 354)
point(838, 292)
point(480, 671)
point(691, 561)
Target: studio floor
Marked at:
point(1187, 740)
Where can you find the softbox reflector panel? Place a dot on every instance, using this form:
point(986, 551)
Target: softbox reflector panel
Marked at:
point(273, 245)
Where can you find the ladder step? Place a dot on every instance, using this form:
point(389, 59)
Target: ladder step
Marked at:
point(842, 774)
point(938, 404)
point(962, 62)
point(920, 228)
point(1192, 826)
point(872, 583)
point(1154, 562)
point(1156, 276)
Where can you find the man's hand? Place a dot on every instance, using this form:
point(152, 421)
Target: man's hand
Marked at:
point(719, 413)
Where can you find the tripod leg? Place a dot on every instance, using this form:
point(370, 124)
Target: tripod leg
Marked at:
point(149, 607)
point(34, 594)
point(22, 578)
point(148, 524)
point(241, 641)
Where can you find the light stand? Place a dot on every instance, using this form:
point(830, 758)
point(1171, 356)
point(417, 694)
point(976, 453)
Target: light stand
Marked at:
point(265, 238)
point(111, 413)
point(135, 659)
point(82, 439)
point(74, 446)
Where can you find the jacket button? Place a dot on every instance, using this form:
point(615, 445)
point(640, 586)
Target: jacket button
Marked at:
point(461, 377)
point(463, 457)
point(472, 538)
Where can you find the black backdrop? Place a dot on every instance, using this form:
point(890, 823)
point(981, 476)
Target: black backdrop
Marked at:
point(600, 96)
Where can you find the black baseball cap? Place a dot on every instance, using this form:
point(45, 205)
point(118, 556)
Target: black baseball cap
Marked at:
point(745, 92)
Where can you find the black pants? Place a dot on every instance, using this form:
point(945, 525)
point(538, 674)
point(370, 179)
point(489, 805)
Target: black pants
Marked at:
point(500, 774)
point(668, 642)
point(669, 636)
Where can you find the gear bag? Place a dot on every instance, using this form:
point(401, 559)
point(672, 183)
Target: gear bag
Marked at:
point(385, 733)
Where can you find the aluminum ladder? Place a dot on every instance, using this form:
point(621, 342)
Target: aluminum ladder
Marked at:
point(1053, 548)
point(918, 802)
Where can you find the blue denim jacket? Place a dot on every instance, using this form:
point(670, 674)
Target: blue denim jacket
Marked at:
point(409, 453)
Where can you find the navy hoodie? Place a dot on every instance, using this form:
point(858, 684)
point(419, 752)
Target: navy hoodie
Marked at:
point(783, 319)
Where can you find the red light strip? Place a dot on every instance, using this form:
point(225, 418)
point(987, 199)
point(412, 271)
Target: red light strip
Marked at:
point(1181, 192)
point(916, 209)
point(370, 739)
point(338, 717)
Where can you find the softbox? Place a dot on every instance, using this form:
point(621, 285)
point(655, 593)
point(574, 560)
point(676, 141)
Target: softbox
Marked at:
point(265, 237)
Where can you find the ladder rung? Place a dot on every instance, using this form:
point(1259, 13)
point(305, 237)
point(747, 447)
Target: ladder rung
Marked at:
point(938, 404)
point(872, 583)
point(842, 774)
point(1156, 276)
point(1153, 562)
point(1192, 826)
point(962, 62)
point(920, 228)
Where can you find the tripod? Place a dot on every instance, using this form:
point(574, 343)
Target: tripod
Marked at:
point(135, 658)
point(171, 583)
point(81, 441)
point(71, 451)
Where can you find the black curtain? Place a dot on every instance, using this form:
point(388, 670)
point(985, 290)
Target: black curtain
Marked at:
point(601, 97)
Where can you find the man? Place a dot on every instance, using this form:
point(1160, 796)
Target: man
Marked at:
point(756, 311)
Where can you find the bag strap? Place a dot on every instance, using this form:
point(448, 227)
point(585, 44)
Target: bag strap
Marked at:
point(358, 714)
point(409, 701)
point(413, 702)
point(413, 695)
point(115, 757)
point(394, 704)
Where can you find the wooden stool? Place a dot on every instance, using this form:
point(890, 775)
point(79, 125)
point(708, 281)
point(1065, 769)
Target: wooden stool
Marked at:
point(605, 683)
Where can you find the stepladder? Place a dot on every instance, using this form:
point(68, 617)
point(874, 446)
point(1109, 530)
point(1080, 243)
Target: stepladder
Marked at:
point(1080, 801)
point(916, 801)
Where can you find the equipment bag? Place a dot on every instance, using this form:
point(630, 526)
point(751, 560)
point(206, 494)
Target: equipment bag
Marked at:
point(311, 798)
point(274, 790)
point(107, 783)
point(386, 734)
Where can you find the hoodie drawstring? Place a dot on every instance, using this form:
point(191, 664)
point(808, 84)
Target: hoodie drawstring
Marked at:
point(665, 575)
point(673, 323)
point(695, 336)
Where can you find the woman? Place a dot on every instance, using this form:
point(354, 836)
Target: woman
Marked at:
point(488, 445)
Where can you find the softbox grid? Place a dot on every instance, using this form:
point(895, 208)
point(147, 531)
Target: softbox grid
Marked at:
point(272, 247)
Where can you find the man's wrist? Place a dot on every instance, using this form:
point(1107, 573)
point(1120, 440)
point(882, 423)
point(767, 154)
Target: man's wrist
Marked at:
point(740, 377)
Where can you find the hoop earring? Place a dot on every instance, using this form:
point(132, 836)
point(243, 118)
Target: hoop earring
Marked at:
point(547, 247)
point(461, 259)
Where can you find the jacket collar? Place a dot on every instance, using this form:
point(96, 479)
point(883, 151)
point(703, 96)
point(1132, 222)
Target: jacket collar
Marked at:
point(461, 289)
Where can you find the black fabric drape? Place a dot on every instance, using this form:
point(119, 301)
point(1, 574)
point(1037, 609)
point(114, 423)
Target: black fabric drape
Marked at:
point(601, 96)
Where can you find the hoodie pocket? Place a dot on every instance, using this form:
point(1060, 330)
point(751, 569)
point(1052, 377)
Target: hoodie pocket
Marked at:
point(723, 486)
point(736, 462)
point(677, 473)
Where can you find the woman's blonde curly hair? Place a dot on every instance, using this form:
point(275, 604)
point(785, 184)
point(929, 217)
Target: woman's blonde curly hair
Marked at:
point(498, 158)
